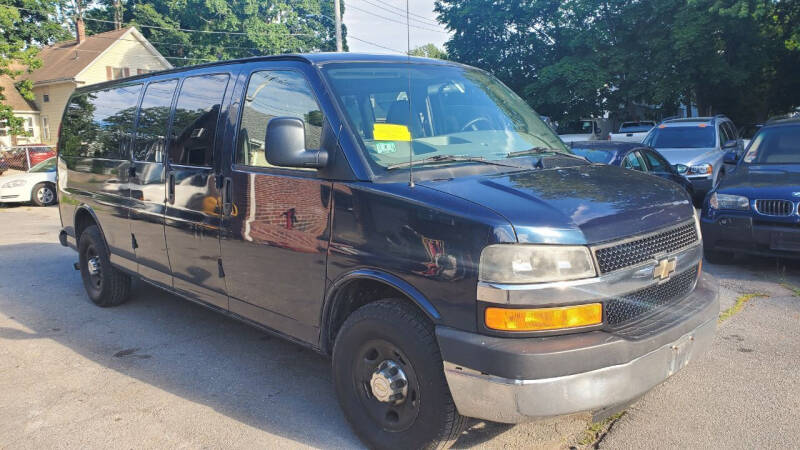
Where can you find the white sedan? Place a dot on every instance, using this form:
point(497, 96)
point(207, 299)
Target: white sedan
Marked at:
point(37, 185)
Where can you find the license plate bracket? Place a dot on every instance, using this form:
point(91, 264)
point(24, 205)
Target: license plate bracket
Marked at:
point(786, 241)
point(681, 354)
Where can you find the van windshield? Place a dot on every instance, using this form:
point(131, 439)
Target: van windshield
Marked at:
point(438, 112)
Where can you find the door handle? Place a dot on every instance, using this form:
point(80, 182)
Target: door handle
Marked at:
point(171, 188)
point(227, 196)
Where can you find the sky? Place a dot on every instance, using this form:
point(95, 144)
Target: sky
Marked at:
point(363, 22)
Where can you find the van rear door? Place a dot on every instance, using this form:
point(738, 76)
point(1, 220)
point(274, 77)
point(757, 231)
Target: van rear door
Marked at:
point(192, 214)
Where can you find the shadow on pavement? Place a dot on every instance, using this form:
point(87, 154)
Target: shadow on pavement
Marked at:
point(175, 345)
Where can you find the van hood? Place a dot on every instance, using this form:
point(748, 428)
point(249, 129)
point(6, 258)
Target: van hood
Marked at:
point(575, 205)
point(690, 156)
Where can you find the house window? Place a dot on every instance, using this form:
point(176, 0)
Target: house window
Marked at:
point(29, 126)
point(46, 98)
point(115, 73)
point(45, 129)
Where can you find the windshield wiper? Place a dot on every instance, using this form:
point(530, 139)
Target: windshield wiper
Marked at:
point(450, 158)
point(542, 151)
point(530, 151)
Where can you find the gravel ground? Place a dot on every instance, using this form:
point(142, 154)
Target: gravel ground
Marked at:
point(160, 372)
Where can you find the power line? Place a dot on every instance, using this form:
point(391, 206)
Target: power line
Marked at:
point(204, 31)
point(376, 45)
point(396, 21)
point(421, 19)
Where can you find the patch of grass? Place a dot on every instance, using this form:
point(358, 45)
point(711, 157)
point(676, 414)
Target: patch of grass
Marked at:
point(795, 290)
point(728, 313)
point(596, 430)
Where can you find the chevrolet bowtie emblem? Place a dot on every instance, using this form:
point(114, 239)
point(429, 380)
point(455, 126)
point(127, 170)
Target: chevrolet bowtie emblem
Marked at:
point(664, 268)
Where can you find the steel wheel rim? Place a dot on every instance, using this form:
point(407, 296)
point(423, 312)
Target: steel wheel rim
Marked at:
point(393, 416)
point(94, 268)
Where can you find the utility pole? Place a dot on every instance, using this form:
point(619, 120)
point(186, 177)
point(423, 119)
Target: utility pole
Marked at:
point(337, 13)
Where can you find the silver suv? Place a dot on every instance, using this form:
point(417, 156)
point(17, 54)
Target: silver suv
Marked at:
point(696, 146)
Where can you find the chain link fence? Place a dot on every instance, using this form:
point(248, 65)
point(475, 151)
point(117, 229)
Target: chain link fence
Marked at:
point(24, 157)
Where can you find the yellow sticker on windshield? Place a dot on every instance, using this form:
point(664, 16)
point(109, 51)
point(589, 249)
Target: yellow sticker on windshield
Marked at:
point(390, 132)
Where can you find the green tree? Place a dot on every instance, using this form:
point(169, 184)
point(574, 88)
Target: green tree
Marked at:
point(21, 30)
point(253, 27)
point(428, 51)
point(581, 57)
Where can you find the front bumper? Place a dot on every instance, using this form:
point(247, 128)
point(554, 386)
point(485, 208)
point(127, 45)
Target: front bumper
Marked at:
point(701, 185)
point(514, 380)
point(740, 233)
point(14, 195)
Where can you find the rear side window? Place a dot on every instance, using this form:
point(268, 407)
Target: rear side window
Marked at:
point(195, 124)
point(151, 130)
point(99, 124)
point(633, 162)
point(279, 93)
point(655, 163)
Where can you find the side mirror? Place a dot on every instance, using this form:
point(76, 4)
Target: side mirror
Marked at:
point(681, 169)
point(730, 144)
point(730, 158)
point(286, 145)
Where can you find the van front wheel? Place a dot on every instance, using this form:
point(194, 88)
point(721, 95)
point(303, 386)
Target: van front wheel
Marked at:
point(389, 379)
point(106, 285)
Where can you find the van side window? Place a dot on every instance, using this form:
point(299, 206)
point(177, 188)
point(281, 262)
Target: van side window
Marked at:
point(98, 124)
point(278, 93)
point(195, 122)
point(151, 129)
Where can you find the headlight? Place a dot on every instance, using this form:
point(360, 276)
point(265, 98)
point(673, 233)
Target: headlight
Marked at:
point(702, 169)
point(512, 263)
point(727, 201)
point(14, 183)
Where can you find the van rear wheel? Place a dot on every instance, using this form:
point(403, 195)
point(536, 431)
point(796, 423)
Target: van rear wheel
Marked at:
point(105, 285)
point(389, 379)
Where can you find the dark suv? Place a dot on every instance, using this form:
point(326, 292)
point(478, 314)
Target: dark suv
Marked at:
point(756, 209)
point(412, 218)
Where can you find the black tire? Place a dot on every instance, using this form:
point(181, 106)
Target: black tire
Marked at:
point(44, 194)
point(105, 285)
point(718, 256)
point(394, 330)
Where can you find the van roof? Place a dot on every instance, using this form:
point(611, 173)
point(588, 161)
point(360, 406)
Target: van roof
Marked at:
point(317, 59)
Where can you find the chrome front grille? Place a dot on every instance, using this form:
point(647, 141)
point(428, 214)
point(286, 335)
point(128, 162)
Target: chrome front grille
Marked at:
point(633, 251)
point(630, 307)
point(778, 208)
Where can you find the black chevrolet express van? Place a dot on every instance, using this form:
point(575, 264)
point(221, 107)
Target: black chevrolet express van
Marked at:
point(413, 219)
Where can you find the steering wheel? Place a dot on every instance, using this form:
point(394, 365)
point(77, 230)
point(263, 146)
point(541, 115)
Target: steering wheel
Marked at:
point(471, 123)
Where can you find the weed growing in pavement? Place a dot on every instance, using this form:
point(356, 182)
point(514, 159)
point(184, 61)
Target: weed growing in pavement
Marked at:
point(795, 290)
point(728, 313)
point(595, 432)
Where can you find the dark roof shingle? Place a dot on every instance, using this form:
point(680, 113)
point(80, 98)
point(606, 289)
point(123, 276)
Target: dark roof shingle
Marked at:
point(65, 60)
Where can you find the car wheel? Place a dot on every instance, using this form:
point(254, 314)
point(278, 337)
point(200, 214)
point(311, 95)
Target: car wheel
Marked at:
point(105, 285)
point(718, 256)
point(389, 379)
point(43, 194)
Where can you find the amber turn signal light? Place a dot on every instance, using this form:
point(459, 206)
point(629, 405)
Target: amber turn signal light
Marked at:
point(541, 319)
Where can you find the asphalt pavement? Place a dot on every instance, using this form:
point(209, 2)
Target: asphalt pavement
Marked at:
point(161, 372)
